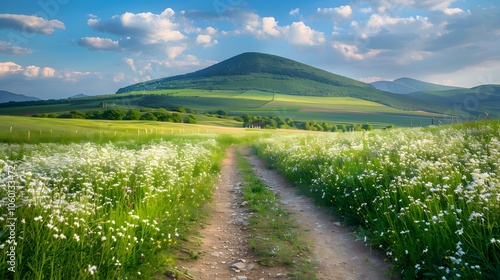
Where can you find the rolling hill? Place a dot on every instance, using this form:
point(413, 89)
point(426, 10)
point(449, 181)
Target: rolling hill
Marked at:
point(275, 74)
point(408, 85)
point(478, 101)
point(7, 96)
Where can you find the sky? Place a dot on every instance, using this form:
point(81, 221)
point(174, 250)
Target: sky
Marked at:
point(54, 49)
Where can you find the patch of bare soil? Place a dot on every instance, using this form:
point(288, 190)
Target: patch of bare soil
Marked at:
point(225, 239)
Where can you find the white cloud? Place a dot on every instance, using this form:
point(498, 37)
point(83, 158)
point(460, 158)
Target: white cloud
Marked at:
point(452, 11)
point(97, 43)
point(143, 28)
point(8, 48)
point(300, 34)
point(269, 26)
point(8, 68)
point(377, 23)
point(11, 69)
point(29, 24)
point(294, 12)
point(338, 13)
point(31, 71)
point(353, 52)
point(48, 72)
point(204, 39)
point(173, 52)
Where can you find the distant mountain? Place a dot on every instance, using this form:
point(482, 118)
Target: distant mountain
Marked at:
point(408, 85)
point(271, 73)
point(6, 96)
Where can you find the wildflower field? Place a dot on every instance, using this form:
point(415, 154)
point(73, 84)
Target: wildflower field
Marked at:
point(428, 197)
point(98, 211)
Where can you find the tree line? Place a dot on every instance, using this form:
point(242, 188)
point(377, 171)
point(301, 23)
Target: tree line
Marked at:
point(161, 115)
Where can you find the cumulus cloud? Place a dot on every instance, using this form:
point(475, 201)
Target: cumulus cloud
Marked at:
point(8, 48)
point(144, 28)
point(30, 24)
point(296, 33)
point(166, 33)
point(299, 33)
point(206, 37)
point(97, 43)
point(341, 13)
point(9, 69)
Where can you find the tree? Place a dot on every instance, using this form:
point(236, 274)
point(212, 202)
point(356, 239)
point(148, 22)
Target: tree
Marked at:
point(342, 127)
point(367, 127)
point(133, 114)
point(180, 109)
point(149, 117)
point(114, 114)
point(176, 118)
point(73, 115)
point(357, 127)
point(190, 119)
point(221, 113)
point(94, 115)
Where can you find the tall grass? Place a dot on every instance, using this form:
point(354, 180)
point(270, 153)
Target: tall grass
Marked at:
point(86, 210)
point(430, 198)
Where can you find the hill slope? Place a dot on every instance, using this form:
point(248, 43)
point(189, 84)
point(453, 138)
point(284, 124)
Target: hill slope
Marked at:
point(259, 72)
point(7, 96)
point(408, 85)
point(264, 72)
point(476, 101)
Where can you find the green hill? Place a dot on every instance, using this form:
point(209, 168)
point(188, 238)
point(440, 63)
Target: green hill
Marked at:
point(476, 101)
point(270, 73)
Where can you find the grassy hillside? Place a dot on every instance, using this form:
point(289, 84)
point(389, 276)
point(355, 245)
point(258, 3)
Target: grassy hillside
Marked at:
point(270, 73)
point(477, 101)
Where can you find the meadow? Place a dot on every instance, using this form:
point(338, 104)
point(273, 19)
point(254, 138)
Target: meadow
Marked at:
point(96, 199)
point(428, 197)
point(99, 211)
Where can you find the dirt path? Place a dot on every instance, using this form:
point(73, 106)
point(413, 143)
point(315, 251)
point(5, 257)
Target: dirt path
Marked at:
point(225, 241)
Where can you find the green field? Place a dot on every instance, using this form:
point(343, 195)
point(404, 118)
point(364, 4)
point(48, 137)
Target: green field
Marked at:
point(336, 110)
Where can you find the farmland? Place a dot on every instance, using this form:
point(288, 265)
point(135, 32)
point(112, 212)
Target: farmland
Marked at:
point(84, 195)
point(335, 110)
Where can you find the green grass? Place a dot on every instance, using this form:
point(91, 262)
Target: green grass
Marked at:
point(276, 237)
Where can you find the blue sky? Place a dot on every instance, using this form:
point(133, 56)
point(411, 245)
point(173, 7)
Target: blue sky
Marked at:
point(59, 48)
